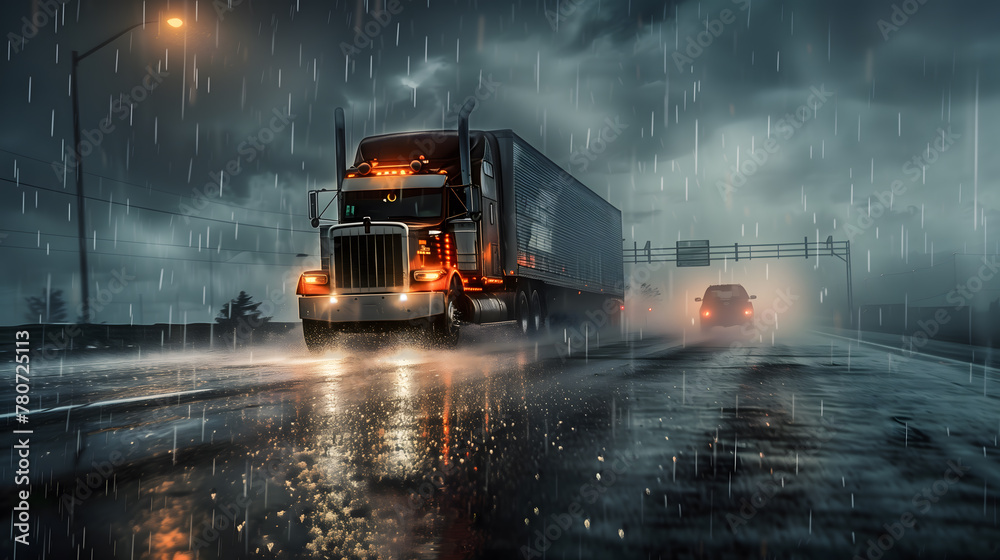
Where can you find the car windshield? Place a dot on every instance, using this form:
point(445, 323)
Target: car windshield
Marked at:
point(393, 204)
point(726, 292)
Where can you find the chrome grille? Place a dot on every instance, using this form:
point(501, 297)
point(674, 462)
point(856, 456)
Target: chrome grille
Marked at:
point(369, 262)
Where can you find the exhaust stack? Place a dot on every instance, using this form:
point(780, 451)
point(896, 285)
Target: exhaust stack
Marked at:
point(340, 146)
point(463, 140)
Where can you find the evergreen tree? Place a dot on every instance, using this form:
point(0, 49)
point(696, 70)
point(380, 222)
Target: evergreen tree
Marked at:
point(52, 312)
point(241, 310)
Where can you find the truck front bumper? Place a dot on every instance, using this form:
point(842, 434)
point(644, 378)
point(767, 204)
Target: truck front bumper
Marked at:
point(360, 308)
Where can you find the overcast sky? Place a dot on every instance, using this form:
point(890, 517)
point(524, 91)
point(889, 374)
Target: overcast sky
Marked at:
point(734, 121)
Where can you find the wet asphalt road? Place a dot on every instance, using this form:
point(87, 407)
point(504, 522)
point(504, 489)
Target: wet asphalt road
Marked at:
point(817, 447)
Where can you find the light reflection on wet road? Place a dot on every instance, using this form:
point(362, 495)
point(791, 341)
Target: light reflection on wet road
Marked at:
point(506, 450)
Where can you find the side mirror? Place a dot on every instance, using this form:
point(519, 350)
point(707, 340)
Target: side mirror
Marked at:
point(314, 208)
point(753, 297)
point(697, 299)
point(474, 197)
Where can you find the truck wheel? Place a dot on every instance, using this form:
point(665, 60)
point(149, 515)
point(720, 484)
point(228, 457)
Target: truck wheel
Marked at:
point(523, 312)
point(537, 313)
point(318, 335)
point(448, 325)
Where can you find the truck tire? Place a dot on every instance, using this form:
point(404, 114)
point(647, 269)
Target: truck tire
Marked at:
point(523, 308)
point(537, 310)
point(318, 335)
point(447, 326)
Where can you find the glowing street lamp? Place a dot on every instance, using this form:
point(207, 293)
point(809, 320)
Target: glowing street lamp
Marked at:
point(80, 215)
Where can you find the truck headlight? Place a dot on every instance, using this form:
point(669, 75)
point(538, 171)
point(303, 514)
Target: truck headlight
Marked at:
point(427, 275)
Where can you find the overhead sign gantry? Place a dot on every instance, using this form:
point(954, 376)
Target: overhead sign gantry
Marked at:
point(700, 252)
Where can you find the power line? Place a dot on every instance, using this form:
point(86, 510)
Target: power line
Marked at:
point(147, 187)
point(149, 243)
point(5, 245)
point(157, 210)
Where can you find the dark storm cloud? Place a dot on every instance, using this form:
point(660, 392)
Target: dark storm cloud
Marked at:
point(603, 70)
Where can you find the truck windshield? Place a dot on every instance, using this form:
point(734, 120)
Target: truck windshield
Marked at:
point(393, 204)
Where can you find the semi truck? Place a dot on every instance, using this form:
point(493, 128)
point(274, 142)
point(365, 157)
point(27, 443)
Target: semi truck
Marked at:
point(433, 229)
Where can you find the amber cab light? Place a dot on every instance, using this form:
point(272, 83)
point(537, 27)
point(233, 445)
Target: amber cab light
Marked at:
point(313, 282)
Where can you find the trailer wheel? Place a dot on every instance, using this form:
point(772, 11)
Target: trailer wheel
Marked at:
point(537, 312)
point(448, 325)
point(523, 312)
point(318, 335)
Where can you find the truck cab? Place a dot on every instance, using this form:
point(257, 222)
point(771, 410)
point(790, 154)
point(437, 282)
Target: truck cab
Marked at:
point(407, 238)
point(430, 229)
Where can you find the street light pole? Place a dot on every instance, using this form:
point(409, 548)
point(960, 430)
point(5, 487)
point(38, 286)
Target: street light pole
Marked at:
point(80, 213)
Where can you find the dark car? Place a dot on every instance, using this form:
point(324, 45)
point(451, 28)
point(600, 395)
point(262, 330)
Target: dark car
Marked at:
point(725, 305)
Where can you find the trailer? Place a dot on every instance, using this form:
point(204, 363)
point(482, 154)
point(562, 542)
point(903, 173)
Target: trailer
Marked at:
point(431, 229)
